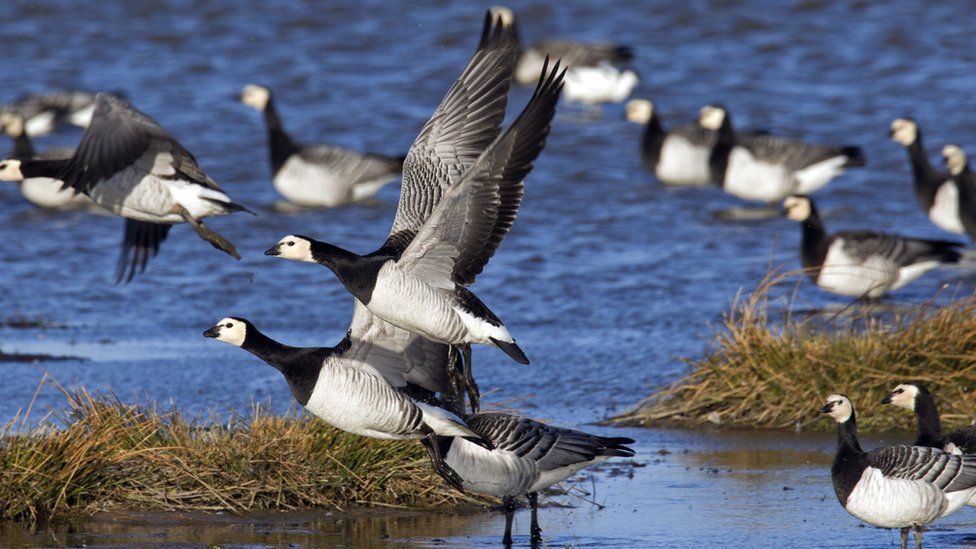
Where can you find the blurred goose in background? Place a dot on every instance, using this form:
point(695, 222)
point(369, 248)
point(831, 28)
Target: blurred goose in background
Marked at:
point(43, 112)
point(318, 175)
point(863, 264)
point(766, 168)
point(965, 184)
point(678, 156)
point(364, 384)
point(934, 188)
point(528, 457)
point(603, 83)
point(44, 192)
point(128, 164)
point(901, 486)
point(916, 397)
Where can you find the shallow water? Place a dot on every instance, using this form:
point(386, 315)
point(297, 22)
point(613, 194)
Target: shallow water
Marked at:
point(607, 280)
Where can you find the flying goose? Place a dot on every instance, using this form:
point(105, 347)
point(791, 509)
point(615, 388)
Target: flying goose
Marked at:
point(528, 456)
point(965, 184)
point(318, 175)
point(678, 156)
point(917, 398)
point(934, 188)
point(467, 121)
point(767, 168)
point(128, 164)
point(44, 192)
point(603, 83)
point(570, 54)
point(863, 264)
point(898, 486)
point(366, 384)
point(43, 112)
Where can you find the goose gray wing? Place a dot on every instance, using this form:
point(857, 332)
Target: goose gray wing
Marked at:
point(794, 154)
point(585, 54)
point(469, 223)
point(140, 243)
point(695, 134)
point(121, 136)
point(550, 447)
point(353, 166)
point(901, 251)
point(467, 120)
point(56, 153)
point(918, 463)
point(394, 354)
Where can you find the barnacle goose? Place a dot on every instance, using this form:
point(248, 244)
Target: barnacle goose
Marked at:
point(767, 168)
point(603, 83)
point(318, 175)
point(934, 188)
point(916, 397)
point(44, 192)
point(678, 156)
point(461, 191)
point(128, 164)
point(528, 456)
point(898, 486)
point(863, 264)
point(965, 183)
point(370, 384)
point(44, 111)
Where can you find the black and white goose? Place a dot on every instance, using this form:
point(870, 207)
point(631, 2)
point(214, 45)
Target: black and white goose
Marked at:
point(128, 164)
point(366, 384)
point(917, 398)
point(964, 181)
point(44, 192)
point(900, 486)
point(863, 264)
point(934, 188)
point(678, 156)
point(318, 175)
point(766, 168)
point(528, 457)
point(42, 112)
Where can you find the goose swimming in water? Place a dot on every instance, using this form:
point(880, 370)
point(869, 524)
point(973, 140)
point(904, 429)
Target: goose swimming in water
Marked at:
point(964, 181)
point(318, 175)
point(128, 164)
point(364, 384)
point(901, 486)
point(678, 156)
point(916, 397)
point(43, 112)
point(766, 168)
point(863, 264)
point(44, 192)
point(528, 457)
point(934, 188)
point(603, 83)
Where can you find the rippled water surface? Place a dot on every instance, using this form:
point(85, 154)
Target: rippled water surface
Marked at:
point(607, 279)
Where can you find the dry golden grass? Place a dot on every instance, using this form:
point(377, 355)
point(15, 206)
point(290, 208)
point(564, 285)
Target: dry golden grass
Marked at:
point(102, 454)
point(764, 374)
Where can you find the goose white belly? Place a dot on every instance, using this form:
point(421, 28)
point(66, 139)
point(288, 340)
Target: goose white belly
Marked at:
point(496, 473)
point(413, 305)
point(308, 184)
point(601, 84)
point(752, 179)
point(682, 163)
point(40, 124)
point(845, 275)
point(134, 194)
point(944, 212)
point(816, 176)
point(46, 193)
point(894, 503)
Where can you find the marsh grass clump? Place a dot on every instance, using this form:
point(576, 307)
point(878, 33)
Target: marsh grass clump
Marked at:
point(100, 453)
point(765, 372)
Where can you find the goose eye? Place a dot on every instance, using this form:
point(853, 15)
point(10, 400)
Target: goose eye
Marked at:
point(229, 325)
point(291, 243)
point(899, 391)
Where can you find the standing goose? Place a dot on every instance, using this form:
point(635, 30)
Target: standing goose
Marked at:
point(603, 83)
point(318, 175)
point(44, 111)
point(964, 182)
point(917, 398)
point(863, 264)
point(934, 188)
point(44, 192)
point(678, 156)
point(128, 164)
point(528, 456)
point(899, 486)
point(766, 168)
point(362, 385)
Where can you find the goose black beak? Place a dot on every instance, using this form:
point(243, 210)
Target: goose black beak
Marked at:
point(886, 400)
point(274, 250)
point(212, 332)
point(239, 96)
point(891, 132)
point(827, 408)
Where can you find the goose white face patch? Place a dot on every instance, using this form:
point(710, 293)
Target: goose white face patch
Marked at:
point(13, 124)
point(10, 171)
point(904, 396)
point(639, 111)
point(295, 248)
point(506, 15)
point(840, 408)
point(231, 331)
point(711, 117)
point(797, 208)
point(904, 131)
point(955, 158)
point(255, 96)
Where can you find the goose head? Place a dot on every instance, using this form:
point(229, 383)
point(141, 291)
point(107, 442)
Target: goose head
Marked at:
point(904, 131)
point(712, 117)
point(798, 207)
point(903, 396)
point(12, 124)
point(506, 15)
point(838, 407)
point(256, 97)
point(294, 247)
point(955, 159)
point(639, 111)
point(10, 170)
point(230, 329)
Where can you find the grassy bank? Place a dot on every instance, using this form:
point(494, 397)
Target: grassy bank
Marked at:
point(761, 373)
point(100, 454)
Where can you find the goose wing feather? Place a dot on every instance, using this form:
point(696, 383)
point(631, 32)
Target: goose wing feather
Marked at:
point(918, 463)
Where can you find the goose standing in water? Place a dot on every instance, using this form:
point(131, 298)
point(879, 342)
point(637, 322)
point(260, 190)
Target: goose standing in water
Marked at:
point(318, 175)
point(603, 83)
point(42, 112)
point(863, 264)
point(901, 486)
point(364, 384)
point(934, 188)
point(765, 168)
point(917, 398)
point(44, 192)
point(128, 164)
point(964, 182)
point(528, 457)
point(678, 156)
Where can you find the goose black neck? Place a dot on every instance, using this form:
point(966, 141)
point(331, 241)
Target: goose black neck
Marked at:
point(332, 256)
point(42, 168)
point(357, 273)
point(849, 461)
point(927, 177)
point(282, 147)
point(23, 148)
point(847, 443)
point(718, 160)
point(651, 141)
point(813, 243)
point(299, 365)
point(929, 424)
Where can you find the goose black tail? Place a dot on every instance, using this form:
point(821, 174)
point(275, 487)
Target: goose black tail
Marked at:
point(855, 156)
point(623, 54)
point(512, 350)
point(615, 446)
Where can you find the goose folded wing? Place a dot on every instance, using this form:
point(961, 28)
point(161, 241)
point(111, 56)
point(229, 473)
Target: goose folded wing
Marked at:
point(467, 120)
point(350, 166)
point(917, 463)
point(793, 154)
point(469, 223)
point(550, 447)
point(901, 251)
point(585, 54)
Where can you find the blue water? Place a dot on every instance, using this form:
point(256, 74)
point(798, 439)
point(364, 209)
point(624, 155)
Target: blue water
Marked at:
point(607, 279)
